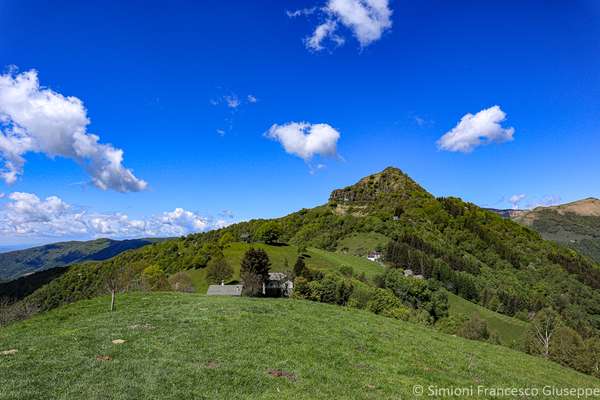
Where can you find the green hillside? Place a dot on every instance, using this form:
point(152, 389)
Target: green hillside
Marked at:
point(456, 246)
point(511, 331)
point(187, 346)
point(15, 264)
point(316, 259)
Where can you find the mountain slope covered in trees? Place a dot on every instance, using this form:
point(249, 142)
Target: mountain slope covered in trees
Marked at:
point(14, 264)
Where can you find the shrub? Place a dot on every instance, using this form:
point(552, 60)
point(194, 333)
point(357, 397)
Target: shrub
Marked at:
point(382, 300)
point(218, 271)
point(451, 324)
point(11, 312)
point(402, 313)
point(420, 316)
point(154, 278)
point(181, 282)
point(475, 329)
point(347, 270)
point(361, 294)
point(565, 347)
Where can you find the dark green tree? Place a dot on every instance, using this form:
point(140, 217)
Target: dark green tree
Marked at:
point(299, 267)
point(254, 271)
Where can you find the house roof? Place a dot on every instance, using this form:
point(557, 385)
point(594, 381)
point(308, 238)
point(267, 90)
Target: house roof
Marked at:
point(225, 290)
point(277, 276)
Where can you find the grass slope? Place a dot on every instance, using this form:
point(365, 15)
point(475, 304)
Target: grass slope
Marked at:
point(315, 259)
point(360, 244)
point(187, 346)
point(510, 330)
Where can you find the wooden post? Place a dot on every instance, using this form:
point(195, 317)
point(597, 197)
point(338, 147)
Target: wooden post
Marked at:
point(112, 300)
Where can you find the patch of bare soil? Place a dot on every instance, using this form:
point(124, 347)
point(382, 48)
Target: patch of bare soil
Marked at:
point(212, 365)
point(278, 373)
point(103, 358)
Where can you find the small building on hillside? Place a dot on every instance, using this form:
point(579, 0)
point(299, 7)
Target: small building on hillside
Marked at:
point(278, 285)
point(225, 290)
point(374, 256)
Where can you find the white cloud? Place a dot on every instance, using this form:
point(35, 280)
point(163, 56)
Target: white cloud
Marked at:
point(306, 140)
point(516, 199)
point(232, 104)
point(476, 130)
point(324, 31)
point(302, 12)
point(232, 101)
point(27, 215)
point(366, 19)
point(37, 119)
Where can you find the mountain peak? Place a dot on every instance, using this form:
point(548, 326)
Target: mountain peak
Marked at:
point(389, 183)
point(587, 207)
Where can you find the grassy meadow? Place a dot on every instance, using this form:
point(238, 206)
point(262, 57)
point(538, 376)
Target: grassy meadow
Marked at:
point(510, 330)
point(188, 346)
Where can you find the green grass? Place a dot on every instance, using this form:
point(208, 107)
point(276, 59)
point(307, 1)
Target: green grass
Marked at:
point(510, 330)
point(317, 259)
point(360, 244)
point(188, 346)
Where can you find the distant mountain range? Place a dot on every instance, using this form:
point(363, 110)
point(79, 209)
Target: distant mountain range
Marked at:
point(15, 264)
point(575, 224)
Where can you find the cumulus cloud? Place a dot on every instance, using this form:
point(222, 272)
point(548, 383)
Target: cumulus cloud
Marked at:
point(25, 214)
point(476, 130)
point(366, 19)
point(37, 119)
point(306, 140)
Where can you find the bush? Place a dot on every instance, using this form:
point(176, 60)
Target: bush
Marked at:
point(383, 300)
point(301, 288)
point(218, 271)
point(475, 329)
point(347, 271)
point(181, 282)
point(421, 317)
point(154, 278)
point(11, 312)
point(360, 296)
point(402, 313)
point(565, 347)
point(589, 357)
point(451, 324)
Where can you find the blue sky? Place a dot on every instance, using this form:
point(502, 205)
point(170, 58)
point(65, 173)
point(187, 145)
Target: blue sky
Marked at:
point(155, 77)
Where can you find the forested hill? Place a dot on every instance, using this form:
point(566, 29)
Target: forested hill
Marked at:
point(473, 252)
point(14, 264)
point(575, 224)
